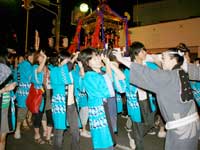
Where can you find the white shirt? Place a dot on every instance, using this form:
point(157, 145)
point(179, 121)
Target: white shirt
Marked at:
point(142, 94)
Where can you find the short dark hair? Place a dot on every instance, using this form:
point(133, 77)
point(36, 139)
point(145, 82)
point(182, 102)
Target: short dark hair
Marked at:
point(64, 54)
point(135, 49)
point(197, 59)
point(183, 48)
point(29, 52)
point(85, 55)
point(54, 58)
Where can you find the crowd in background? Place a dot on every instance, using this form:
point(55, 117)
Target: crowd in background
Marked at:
point(84, 92)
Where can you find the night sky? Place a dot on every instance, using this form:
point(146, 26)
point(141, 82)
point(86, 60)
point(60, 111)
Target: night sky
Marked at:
point(12, 31)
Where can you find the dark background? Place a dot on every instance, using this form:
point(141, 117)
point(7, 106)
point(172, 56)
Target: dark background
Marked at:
point(13, 20)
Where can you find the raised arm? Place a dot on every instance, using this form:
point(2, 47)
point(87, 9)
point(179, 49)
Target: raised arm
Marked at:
point(149, 79)
point(121, 59)
point(41, 66)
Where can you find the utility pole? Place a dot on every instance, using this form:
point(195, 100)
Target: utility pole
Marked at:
point(58, 19)
point(27, 6)
point(27, 24)
point(40, 3)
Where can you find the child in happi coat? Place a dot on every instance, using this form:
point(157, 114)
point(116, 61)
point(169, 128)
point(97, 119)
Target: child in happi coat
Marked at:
point(140, 103)
point(82, 101)
point(63, 108)
point(24, 75)
point(38, 80)
point(99, 87)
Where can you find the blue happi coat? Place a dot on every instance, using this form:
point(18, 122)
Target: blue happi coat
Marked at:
point(24, 73)
point(59, 79)
point(96, 87)
point(81, 96)
point(120, 87)
point(132, 99)
point(37, 80)
point(115, 102)
point(196, 91)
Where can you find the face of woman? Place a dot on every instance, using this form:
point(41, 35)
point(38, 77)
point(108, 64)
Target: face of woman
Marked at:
point(167, 62)
point(95, 62)
point(40, 59)
point(187, 57)
point(142, 55)
point(21, 58)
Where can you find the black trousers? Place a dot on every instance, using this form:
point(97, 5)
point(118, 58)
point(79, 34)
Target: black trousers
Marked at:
point(141, 129)
point(72, 117)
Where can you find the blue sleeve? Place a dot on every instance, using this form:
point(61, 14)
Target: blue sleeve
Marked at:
point(65, 75)
point(25, 69)
point(60, 75)
point(96, 86)
point(127, 78)
point(15, 75)
point(119, 85)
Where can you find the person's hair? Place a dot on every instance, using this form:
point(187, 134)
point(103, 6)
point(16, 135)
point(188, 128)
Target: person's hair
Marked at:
point(29, 53)
point(183, 48)
point(109, 54)
point(85, 55)
point(197, 59)
point(135, 49)
point(53, 58)
point(64, 54)
point(174, 53)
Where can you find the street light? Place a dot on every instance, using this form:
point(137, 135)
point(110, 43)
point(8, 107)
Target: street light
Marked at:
point(84, 7)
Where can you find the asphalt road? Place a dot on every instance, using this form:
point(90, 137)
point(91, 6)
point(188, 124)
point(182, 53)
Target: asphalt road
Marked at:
point(152, 142)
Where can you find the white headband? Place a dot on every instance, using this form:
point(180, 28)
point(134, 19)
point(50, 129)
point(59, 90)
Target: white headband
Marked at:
point(179, 53)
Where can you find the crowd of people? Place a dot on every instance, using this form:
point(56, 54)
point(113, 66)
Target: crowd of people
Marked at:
point(92, 87)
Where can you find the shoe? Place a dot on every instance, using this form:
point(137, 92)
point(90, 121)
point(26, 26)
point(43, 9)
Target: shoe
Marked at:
point(131, 142)
point(127, 129)
point(17, 135)
point(161, 134)
point(151, 132)
point(39, 141)
point(49, 142)
point(85, 134)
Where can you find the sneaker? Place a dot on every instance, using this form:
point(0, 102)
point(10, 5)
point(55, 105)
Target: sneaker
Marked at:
point(85, 134)
point(17, 135)
point(127, 129)
point(131, 142)
point(161, 134)
point(151, 132)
